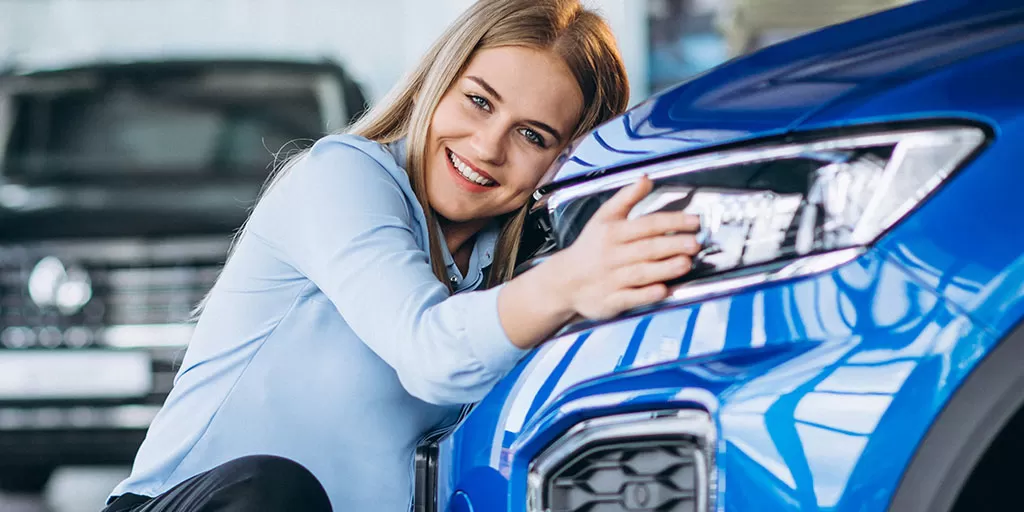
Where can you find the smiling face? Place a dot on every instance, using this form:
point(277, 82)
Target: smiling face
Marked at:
point(497, 130)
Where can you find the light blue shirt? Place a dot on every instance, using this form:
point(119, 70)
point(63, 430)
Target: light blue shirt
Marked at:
point(328, 340)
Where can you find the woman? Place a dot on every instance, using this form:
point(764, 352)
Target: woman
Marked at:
point(352, 316)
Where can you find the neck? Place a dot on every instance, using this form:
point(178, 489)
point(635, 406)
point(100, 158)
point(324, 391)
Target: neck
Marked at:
point(456, 234)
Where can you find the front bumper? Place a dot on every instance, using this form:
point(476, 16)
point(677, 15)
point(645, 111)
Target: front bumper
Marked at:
point(80, 429)
point(79, 435)
point(819, 388)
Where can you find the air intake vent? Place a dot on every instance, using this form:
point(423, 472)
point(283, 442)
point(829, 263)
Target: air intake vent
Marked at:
point(646, 475)
point(655, 461)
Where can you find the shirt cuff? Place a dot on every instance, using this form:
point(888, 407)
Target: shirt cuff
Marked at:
point(487, 338)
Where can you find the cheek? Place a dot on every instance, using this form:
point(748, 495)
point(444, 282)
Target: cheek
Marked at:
point(450, 118)
point(530, 168)
point(441, 120)
point(439, 123)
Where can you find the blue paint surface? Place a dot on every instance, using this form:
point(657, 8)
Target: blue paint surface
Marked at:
point(821, 387)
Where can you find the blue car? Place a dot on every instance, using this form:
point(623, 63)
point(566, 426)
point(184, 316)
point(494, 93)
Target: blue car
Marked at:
point(851, 338)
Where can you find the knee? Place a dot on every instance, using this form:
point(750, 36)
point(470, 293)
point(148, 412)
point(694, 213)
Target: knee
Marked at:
point(272, 483)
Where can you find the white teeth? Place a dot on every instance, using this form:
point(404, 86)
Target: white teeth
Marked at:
point(469, 173)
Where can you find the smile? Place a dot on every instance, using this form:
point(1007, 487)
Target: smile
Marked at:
point(469, 173)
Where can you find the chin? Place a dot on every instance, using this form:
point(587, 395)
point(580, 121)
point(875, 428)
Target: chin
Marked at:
point(456, 214)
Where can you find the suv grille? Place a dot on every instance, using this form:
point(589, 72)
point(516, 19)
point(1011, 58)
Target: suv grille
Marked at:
point(119, 296)
point(639, 475)
point(129, 284)
point(651, 461)
point(154, 295)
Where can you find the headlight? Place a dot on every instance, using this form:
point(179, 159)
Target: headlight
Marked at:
point(775, 203)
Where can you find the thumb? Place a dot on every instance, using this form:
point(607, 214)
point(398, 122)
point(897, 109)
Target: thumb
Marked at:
point(619, 205)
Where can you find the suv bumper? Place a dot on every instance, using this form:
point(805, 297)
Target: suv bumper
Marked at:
point(53, 436)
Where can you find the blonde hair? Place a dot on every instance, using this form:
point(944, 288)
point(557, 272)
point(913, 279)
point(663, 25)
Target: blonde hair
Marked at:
point(579, 36)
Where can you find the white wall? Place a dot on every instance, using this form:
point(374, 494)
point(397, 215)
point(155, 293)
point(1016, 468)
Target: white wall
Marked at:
point(377, 39)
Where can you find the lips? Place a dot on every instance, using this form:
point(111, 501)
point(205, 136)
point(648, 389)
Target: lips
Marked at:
point(469, 172)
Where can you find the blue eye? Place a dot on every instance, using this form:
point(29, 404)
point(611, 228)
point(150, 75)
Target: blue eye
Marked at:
point(533, 137)
point(480, 102)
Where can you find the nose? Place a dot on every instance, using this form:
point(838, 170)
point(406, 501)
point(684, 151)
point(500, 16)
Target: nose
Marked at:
point(489, 144)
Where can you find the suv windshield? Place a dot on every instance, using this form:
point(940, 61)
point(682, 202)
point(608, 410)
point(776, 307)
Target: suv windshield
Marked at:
point(147, 123)
point(152, 149)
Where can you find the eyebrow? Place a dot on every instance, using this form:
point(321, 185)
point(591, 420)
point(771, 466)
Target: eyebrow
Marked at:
point(487, 87)
point(490, 90)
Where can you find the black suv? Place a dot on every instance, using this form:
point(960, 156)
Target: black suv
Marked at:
point(120, 188)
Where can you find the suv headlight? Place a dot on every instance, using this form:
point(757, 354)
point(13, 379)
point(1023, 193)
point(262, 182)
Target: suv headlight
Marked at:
point(773, 203)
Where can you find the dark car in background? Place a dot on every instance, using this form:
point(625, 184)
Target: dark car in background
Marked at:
point(121, 185)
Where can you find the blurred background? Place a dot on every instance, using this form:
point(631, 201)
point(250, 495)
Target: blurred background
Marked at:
point(134, 134)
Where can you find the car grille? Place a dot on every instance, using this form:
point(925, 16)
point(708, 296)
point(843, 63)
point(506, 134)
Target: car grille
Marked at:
point(651, 461)
point(132, 284)
point(641, 475)
point(141, 297)
point(120, 296)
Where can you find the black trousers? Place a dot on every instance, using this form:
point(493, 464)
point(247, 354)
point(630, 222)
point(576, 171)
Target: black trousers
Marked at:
point(258, 483)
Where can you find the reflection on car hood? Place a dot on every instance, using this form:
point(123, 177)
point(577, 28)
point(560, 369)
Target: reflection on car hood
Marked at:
point(774, 90)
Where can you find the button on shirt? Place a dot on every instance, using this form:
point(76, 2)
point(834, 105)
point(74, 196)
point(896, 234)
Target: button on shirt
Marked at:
point(328, 340)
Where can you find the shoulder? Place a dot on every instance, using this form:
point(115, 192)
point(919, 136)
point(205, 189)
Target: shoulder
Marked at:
point(347, 166)
point(345, 178)
point(341, 144)
point(355, 155)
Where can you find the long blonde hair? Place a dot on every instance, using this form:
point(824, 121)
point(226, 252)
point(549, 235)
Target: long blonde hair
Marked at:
point(579, 36)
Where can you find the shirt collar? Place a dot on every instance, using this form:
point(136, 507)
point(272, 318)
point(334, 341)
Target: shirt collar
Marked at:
point(481, 257)
point(483, 247)
point(398, 151)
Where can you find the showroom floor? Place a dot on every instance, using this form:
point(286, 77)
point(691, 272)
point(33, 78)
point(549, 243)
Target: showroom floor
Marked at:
point(71, 490)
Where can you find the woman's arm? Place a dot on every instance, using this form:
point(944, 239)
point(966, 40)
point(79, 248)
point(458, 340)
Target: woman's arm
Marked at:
point(614, 265)
point(342, 220)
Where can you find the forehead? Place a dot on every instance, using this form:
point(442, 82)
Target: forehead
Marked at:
point(533, 84)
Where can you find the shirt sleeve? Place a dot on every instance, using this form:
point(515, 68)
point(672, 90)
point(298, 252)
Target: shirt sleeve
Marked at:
point(343, 221)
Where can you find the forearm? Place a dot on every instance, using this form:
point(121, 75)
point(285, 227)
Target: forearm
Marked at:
point(532, 306)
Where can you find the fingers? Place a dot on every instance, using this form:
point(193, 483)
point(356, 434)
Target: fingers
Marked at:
point(619, 205)
point(656, 224)
point(651, 272)
point(658, 248)
point(630, 298)
point(620, 264)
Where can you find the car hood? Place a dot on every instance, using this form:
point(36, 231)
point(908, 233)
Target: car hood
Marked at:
point(774, 90)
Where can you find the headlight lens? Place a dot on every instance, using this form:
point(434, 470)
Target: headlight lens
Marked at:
point(771, 203)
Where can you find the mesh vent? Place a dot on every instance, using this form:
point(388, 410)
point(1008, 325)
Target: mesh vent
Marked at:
point(653, 461)
point(642, 475)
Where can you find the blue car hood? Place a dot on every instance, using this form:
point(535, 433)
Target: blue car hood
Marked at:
point(774, 90)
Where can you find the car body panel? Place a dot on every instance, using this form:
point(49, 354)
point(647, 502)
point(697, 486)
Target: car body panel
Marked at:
point(821, 387)
point(967, 242)
point(975, 253)
point(840, 356)
point(779, 88)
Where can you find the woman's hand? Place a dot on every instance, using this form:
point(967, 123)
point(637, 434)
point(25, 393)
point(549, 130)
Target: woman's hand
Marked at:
point(617, 264)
